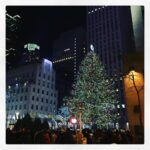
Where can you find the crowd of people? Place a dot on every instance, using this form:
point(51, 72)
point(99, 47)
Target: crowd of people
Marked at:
point(28, 131)
point(68, 136)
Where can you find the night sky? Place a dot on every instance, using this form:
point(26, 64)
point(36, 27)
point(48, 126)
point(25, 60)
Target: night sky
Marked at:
point(43, 24)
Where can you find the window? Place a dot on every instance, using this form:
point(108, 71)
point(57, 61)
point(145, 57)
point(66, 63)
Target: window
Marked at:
point(32, 106)
point(46, 109)
point(46, 100)
point(47, 93)
point(32, 97)
point(41, 107)
point(39, 82)
point(26, 89)
point(36, 107)
point(48, 77)
point(41, 99)
point(43, 83)
point(47, 85)
point(38, 90)
point(42, 91)
point(18, 91)
point(33, 89)
point(11, 107)
point(44, 75)
point(21, 90)
point(16, 107)
point(21, 98)
point(52, 86)
point(39, 74)
point(24, 106)
point(37, 99)
point(20, 107)
point(51, 94)
point(25, 97)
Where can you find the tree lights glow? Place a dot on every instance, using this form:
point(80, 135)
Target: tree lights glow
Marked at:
point(95, 92)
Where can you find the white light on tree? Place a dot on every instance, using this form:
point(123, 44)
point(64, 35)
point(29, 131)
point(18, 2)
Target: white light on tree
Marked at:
point(92, 47)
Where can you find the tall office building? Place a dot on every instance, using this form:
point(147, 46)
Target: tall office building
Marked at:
point(68, 52)
point(12, 54)
point(109, 29)
point(31, 89)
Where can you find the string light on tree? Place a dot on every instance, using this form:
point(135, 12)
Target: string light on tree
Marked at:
point(93, 88)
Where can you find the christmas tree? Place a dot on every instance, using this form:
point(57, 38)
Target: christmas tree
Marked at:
point(93, 94)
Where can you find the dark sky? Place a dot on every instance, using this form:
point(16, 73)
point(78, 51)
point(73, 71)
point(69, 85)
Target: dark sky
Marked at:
point(43, 24)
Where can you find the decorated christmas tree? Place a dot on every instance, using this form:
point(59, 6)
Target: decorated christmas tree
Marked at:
point(93, 94)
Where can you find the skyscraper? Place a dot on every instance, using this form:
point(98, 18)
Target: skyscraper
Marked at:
point(109, 29)
point(68, 52)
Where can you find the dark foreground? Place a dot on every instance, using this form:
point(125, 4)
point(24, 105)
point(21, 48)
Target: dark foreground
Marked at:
point(67, 136)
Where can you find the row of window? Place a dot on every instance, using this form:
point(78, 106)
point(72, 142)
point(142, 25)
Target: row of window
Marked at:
point(16, 107)
point(42, 108)
point(45, 84)
point(42, 100)
point(16, 100)
point(44, 92)
point(44, 76)
point(19, 90)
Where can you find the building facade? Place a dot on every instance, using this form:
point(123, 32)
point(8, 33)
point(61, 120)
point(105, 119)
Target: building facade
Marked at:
point(109, 29)
point(68, 52)
point(31, 89)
